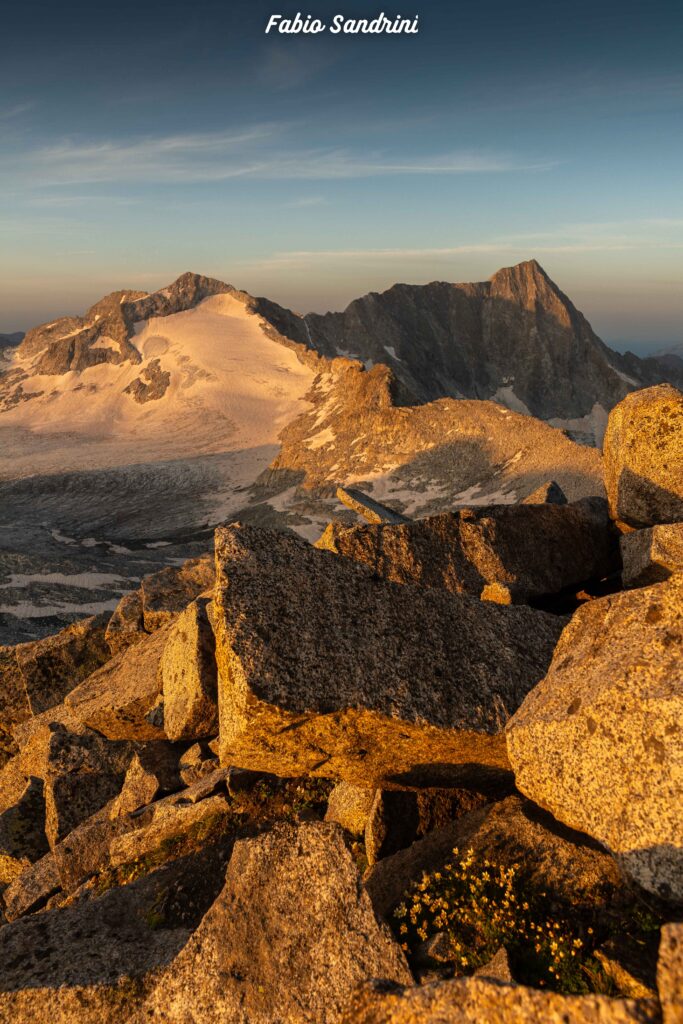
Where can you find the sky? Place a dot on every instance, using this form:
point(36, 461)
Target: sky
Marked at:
point(140, 140)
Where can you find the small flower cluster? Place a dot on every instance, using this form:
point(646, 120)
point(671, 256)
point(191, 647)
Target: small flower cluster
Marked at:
point(481, 906)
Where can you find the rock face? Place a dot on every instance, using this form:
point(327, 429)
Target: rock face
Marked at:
point(84, 964)
point(104, 334)
point(324, 669)
point(367, 507)
point(188, 671)
point(120, 698)
point(598, 741)
point(652, 555)
point(261, 960)
point(151, 385)
point(167, 593)
point(473, 1000)
point(52, 667)
point(126, 626)
point(22, 829)
point(495, 338)
point(643, 453)
point(670, 973)
point(529, 550)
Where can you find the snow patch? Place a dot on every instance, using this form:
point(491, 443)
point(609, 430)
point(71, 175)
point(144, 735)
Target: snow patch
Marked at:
point(86, 580)
point(321, 440)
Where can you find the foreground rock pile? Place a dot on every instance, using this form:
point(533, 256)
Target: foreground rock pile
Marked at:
point(422, 771)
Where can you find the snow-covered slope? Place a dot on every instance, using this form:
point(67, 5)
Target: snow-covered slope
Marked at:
point(222, 385)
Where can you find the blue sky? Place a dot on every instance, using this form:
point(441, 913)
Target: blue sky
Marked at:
point(142, 140)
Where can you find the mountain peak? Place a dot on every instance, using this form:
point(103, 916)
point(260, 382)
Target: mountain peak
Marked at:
point(528, 273)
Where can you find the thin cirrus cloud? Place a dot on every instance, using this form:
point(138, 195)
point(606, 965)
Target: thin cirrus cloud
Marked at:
point(219, 156)
point(588, 238)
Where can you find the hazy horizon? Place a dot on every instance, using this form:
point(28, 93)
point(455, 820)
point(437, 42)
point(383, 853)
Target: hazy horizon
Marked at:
point(313, 170)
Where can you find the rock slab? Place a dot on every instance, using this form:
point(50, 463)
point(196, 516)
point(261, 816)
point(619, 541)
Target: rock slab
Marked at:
point(598, 742)
point(643, 457)
point(530, 550)
point(326, 670)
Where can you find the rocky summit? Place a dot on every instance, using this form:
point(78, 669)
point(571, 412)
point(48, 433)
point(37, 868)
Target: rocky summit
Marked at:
point(400, 739)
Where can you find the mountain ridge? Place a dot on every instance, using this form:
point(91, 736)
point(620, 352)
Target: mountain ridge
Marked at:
point(516, 339)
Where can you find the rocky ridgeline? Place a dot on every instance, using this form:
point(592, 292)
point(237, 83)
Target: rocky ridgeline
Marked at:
point(238, 797)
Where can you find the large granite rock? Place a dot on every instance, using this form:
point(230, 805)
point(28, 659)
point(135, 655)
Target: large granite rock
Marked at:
point(154, 769)
point(529, 550)
point(188, 671)
point(643, 455)
point(563, 863)
point(289, 938)
point(73, 798)
point(89, 963)
point(350, 806)
point(22, 830)
point(14, 705)
point(670, 973)
point(121, 698)
point(475, 1000)
point(32, 888)
point(366, 507)
point(326, 670)
point(126, 626)
point(599, 742)
point(52, 667)
point(166, 593)
point(651, 555)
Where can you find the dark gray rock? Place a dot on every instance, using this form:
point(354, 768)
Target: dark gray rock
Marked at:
point(472, 340)
point(289, 938)
point(525, 551)
point(167, 593)
point(367, 507)
point(52, 667)
point(325, 669)
point(151, 385)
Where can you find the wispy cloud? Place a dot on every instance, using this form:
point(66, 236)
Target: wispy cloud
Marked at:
point(8, 113)
point(585, 238)
point(305, 202)
point(254, 152)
